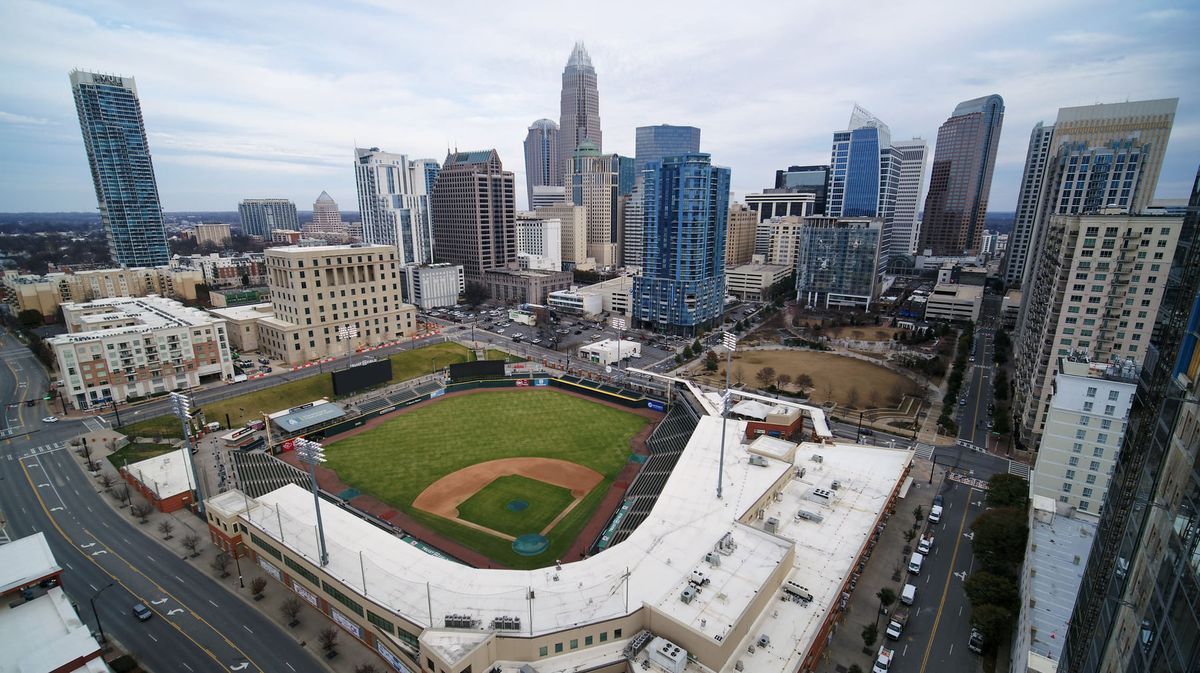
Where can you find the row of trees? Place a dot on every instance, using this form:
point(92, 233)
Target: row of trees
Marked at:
point(1000, 537)
point(966, 341)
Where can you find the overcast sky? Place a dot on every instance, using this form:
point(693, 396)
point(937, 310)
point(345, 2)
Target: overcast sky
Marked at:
point(268, 99)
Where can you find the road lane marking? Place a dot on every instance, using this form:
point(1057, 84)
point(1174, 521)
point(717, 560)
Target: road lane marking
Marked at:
point(152, 637)
point(945, 589)
point(290, 666)
point(247, 628)
point(178, 578)
point(213, 603)
point(186, 666)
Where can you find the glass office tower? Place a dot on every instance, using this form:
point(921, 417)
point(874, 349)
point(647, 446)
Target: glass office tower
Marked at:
point(686, 210)
point(114, 137)
point(806, 180)
point(655, 143)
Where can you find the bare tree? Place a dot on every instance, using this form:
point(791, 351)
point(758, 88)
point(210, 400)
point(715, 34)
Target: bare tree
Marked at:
point(766, 376)
point(142, 511)
point(107, 480)
point(857, 334)
point(804, 381)
point(166, 527)
point(873, 398)
point(852, 396)
point(829, 391)
point(881, 335)
point(191, 542)
point(290, 609)
point(739, 376)
point(328, 638)
point(784, 380)
point(121, 493)
point(220, 564)
point(257, 586)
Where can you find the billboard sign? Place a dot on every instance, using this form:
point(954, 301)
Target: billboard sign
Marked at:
point(289, 445)
point(358, 377)
point(655, 405)
point(541, 382)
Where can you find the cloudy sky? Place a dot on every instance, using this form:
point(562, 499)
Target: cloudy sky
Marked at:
point(268, 99)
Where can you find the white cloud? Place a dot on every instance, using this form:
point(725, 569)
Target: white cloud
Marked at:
point(10, 118)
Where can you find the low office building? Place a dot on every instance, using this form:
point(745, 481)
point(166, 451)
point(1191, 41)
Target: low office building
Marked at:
point(575, 301)
point(572, 233)
point(954, 303)
point(1055, 555)
point(131, 347)
point(753, 281)
point(40, 630)
point(764, 418)
point(524, 286)
point(332, 300)
point(213, 234)
point(1010, 309)
point(242, 322)
point(1085, 426)
point(165, 481)
point(539, 242)
point(610, 351)
point(225, 271)
point(432, 285)
point(46, 293)
point(609, 296)
point(239, 296)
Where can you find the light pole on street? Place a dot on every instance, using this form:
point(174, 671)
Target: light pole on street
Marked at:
point(95, 614)
point(729, 341)
point(312, 454)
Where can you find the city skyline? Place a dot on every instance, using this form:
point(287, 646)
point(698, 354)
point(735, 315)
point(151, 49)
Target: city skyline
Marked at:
point(219, 130)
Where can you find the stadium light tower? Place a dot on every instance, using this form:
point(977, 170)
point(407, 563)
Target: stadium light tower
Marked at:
point(729, 341)
point(313, 454)
point(619, 325)
point(181, 407)
point(346, 333)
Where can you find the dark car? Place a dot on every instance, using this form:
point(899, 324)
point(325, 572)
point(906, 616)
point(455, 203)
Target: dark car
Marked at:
point(975, 642)
point(937, 500)
point(142, 612)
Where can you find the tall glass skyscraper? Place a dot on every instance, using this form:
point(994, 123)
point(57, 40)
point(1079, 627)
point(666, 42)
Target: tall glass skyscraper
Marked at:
point(542, 167)
point(806, 180)
point(579, 106)
point(393, 202)
point(114, 137)
point(685, 213)
point(655, 143)
point(262, 216)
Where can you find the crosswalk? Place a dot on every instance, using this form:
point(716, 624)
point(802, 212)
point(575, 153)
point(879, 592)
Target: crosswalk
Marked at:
point(94, 423)
point(37, 451)
point(923, 451)
point(1019, 469)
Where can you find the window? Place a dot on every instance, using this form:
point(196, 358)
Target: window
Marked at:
point(543, 651)
point(342, 598)
point(1084, 420)
point(1073, 461)
point(558, 648)
point(604, 636)
point(1091, 392)
point(380, 622)
point(1076, 447)
point(574, 643)
point(262, 544)
point(1095, 465)
point(1091, 479)
point(616, 633)
point(587, 640)
point(1098, 453)
point(1066, 488)
point(302, 571)
point(1109, 410)
point(1081, 434)
point(1102, 438)
point(1070, 474)
point(1087, 492)
point(1083, 505)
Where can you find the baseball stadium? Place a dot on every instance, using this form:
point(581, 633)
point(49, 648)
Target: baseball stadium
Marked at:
point(545, 523)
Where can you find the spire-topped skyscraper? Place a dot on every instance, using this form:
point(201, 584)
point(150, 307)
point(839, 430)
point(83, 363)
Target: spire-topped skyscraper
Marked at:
point(579, 116)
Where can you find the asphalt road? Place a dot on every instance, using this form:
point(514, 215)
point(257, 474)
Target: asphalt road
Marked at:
point(975, 415)
point(197, 625)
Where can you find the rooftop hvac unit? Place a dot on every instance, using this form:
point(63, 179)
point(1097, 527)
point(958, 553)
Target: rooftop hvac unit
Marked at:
point(758, 460)
point(771, 525)
point(687, 595)
point(800, 472)
point(809, 516)
point(668, 655)
point(835, 485)
point(818, 458)
point(821, 495)
point(698, 578)
point(737, 666)
point(712, 559)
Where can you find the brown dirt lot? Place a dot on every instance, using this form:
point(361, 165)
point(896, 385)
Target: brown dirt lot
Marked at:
point(828, 370)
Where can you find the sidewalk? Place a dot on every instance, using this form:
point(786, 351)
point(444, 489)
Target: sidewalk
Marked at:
point(885, 568)
point(351, 652)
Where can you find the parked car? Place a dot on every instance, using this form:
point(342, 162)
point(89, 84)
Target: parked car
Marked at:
point(50, 419)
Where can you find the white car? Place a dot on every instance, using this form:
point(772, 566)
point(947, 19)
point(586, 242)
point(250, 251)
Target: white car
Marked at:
point(50, 419)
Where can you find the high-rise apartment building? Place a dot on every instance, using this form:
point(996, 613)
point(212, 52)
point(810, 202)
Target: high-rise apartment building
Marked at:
point(579, 110)
point(542, 167)
point(573, 232)
point(594, 180)
point(1085, 424)
point(633, 219)
point(682, 286)
point(781, 203)
point(837, 261)
point(331, 300)
point(114, 137)
point(1137, 610)
point(474, 208)
point(807, 180)
point(783, 239)
point(739, 239)
point(1146, 123)
point(539, 242)
point(905, 221)
point(548, 195)
point(262, 216)
point(217, 234)
point(655, 143)
point(961, 179)
point(1097, 289)
point(393, 202)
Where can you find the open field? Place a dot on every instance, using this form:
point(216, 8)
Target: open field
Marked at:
point(405, 365)
point(489, 506)
point(497, 354)
point(397, 460)
point(132, 453)
point(841, 377)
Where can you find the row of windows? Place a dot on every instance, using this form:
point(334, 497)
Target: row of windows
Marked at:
point(263, 545)
point(342, 598)
point(573, 644)
point(302, 571)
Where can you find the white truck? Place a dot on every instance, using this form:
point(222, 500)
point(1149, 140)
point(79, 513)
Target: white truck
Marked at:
point(935, 513)
point(896, 626)
point(883, 662)
point(925, 544)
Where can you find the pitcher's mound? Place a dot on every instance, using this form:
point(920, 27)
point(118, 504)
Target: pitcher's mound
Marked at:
point(530, 545)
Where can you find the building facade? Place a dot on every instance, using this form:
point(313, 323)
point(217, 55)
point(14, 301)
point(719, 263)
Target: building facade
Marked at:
point(837, 261)
point(594, 181)
point(655, 143)
point(114, 137)
point(132, 347)
point(262, 216)
point(579, 109)
point(961, 179)
point(1084, 429)
point(573, 233)
point(46, 293)
point(432, 285)
point(954, 303)
point(1099, 282)
point(474, 210)
point(909, 190)
point(539, 242)
point(394, 203)
point(633, 223)
point(782, 235)
point(753, 281)
point(248, 269)
point(739, 239)
point(781, 203)
point(682, 286)
point(542, 167)
point(1036, 158)
point(806, 180)
point(326, 220)
point(213, 234)
point(524, 286)
point(332, 300)
point(864, 174)
point(546, 196)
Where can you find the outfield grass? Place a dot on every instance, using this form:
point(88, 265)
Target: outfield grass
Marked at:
point(488, 507)
point(497, 354)
point(405, 365)
point(400, 458)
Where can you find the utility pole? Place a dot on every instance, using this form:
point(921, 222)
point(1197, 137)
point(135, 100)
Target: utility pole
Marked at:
point(95, 614)
point(729, 341)
point(116, 411)
point(311, 454)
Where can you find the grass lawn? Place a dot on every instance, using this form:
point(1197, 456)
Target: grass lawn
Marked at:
point(405, 365)
point(400, 458)
point(489, 508)
point(497, 354)
point(132, 453)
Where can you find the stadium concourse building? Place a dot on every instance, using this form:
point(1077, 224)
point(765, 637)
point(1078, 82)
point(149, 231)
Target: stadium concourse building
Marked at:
point(752, 581)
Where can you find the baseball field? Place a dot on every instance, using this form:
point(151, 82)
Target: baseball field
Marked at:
point(496, 470)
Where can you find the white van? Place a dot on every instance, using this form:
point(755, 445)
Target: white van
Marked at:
point(909, 594)
point(914, 563)
point(935, 513)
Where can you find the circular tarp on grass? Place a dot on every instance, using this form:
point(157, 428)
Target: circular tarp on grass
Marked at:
point(516, 505)
point(530, 544)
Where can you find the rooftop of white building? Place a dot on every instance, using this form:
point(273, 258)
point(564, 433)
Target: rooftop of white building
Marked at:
point(1060, 546)
point(25, 561)
point(46, 634)
point(957, 291)
point(136, 315)
point(306, 250)
point(245, 312)
point(165, 475)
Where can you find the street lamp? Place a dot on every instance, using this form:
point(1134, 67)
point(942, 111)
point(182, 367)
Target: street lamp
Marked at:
point(181, 406)
point(95, 614)
point(729, 341)
point(312, 454)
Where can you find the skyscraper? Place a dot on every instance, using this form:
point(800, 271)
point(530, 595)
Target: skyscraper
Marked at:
point(326, 219)
point(905, 229)
point(393, 202)
point(806, 180)
point(1137, 609)
point(837, 261)
point(474, 209)
point(262, 216)
point(594, 180)
point(655, 143)
point(739, 237)
point(542, 167)
point(686, 206)
point(579, 117)
point(114, 137)
point(963, 160)
point(633, 219)
point(1040, 151)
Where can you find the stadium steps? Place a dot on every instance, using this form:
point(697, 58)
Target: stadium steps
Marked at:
point(257, 474)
